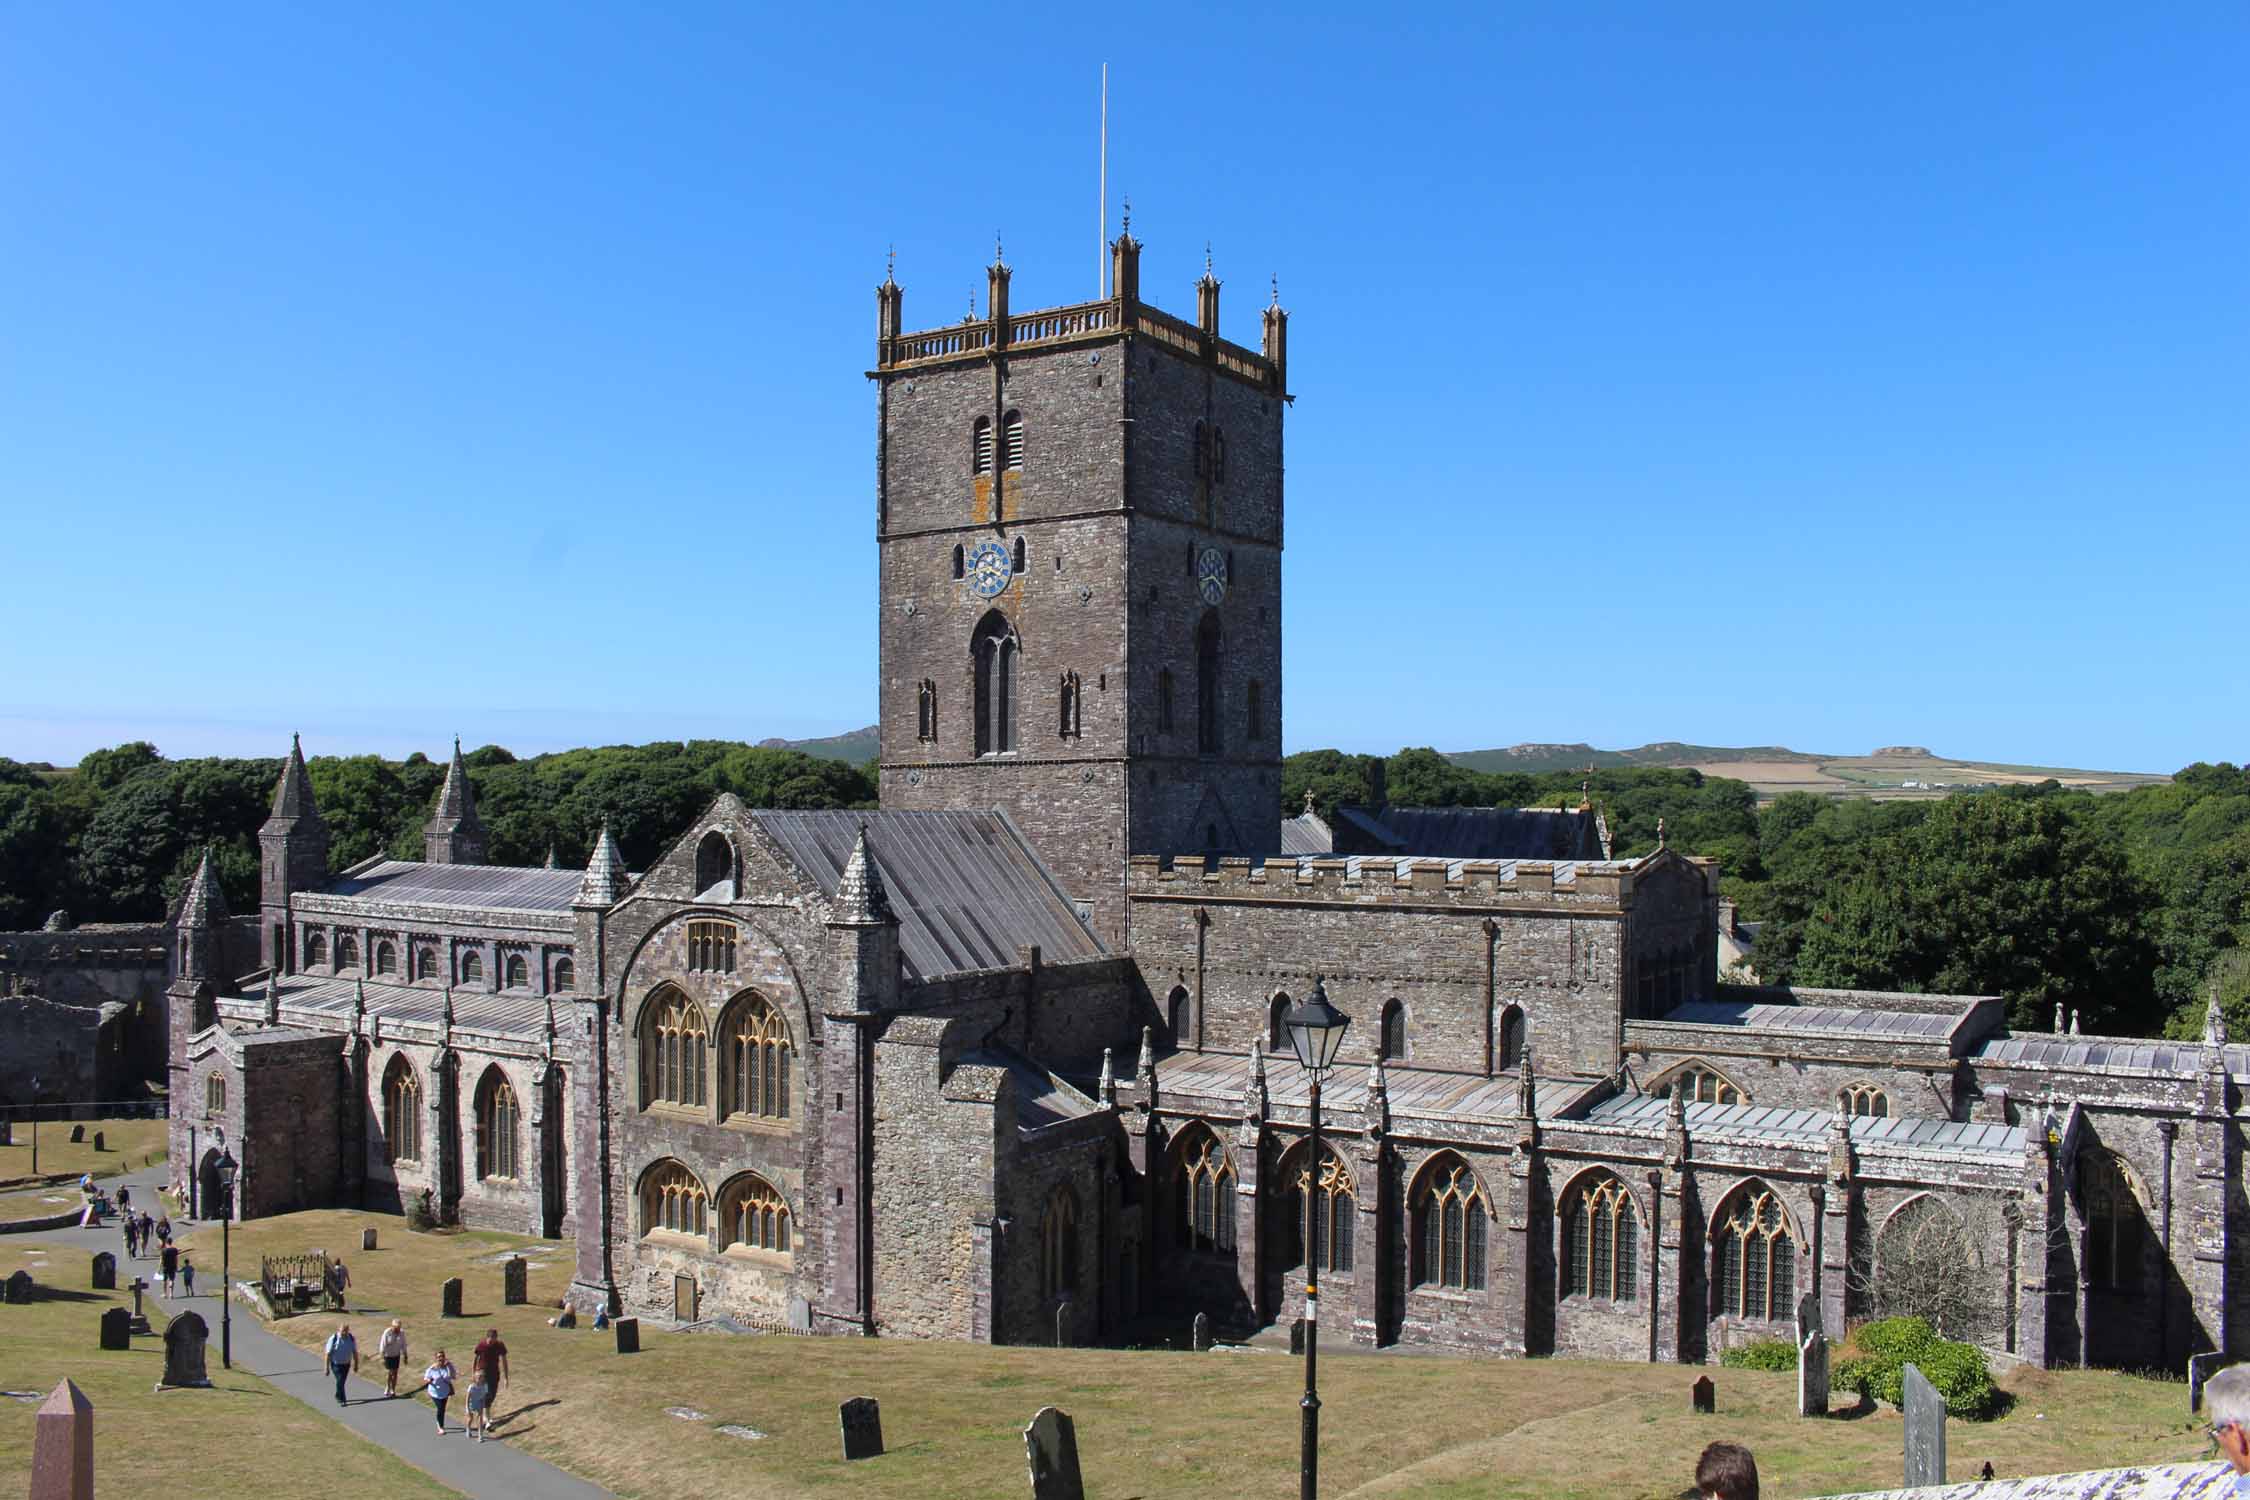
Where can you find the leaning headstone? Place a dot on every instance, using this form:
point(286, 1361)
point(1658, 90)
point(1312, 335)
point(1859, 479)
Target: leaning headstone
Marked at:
point(17, 1288)
point(1925, 1431)
point(450, 1307)
point(1199, 1333)
point(628, 1335)
point(367, 1239)
point(62, 1447)
point(1812, 1375)
point(1703, 1395)
point(105, 1272)
point(2201, 1367)
point(183, 1351)
point(77, 1135)
point(862, 1421)
point(1050, 1446)
point(117, 1329)
point(98, 1145)
point(515, 1281)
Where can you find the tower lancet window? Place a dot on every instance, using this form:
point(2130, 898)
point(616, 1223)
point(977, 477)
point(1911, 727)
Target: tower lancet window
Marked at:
point(980, 446)
point(995, 652)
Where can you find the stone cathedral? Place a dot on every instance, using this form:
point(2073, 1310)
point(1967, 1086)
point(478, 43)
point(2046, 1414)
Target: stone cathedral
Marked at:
point(1005, 1057)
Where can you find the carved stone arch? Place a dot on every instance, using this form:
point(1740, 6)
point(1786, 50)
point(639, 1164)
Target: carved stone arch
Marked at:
point(1791, 1215)
point(773, 1224)
point(758, 1059)
point(1663, 1082)
point(1446, 1158)
point(1757, 1247)
point(1596, 1172)
point(667, 1177)
point(716, 859)
point(800, 1010)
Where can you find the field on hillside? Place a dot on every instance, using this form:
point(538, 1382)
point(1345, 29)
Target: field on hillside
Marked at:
point(1152, 1423)
point(1897, 772)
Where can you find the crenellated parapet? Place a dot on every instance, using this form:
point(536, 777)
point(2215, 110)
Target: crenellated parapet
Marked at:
point(1360, 879)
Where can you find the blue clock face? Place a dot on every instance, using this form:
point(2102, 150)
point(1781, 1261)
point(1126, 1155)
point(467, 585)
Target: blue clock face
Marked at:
point(987, 569)
point(1211, 575)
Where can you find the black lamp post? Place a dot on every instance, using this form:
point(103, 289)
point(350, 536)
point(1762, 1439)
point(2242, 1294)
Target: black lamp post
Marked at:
point(35, 1125)
point(226, 1168)
point(1316, 1033)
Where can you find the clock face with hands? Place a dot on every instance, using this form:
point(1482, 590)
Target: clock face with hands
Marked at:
point(987, 569)
point(1211, 575)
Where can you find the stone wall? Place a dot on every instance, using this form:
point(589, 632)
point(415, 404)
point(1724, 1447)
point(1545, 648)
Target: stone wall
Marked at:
point(75, 1053)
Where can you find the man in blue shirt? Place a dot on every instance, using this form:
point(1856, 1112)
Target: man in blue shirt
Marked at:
point(343, 1356)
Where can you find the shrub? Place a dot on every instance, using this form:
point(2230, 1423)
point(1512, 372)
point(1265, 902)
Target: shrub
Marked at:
point(1957, 1371)
point(1899, 1340)
point(1764, 1354)
point(1961, 1377)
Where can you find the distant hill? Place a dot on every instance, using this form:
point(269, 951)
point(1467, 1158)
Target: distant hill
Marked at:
point(1895, 772)
point(857, 748)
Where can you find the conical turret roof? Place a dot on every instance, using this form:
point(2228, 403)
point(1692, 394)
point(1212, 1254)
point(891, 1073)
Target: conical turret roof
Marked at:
point(292, 793)
point(205, 903)
point(457, 801)
point(860, 897)
point(606, 879)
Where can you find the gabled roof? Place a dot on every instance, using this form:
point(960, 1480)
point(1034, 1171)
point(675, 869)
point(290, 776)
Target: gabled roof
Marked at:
point(474, 887)
point(966, 888)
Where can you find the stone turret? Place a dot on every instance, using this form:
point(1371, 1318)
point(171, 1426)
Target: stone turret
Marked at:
point(293, 857)
point(606, 880)
point(453, 836)
point(201, 925)
point(864, 933)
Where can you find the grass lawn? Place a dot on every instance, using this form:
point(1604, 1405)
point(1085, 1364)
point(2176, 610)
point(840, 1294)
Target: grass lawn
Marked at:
point(1152, 1424)
point(127, 1145)
point(242, 1439)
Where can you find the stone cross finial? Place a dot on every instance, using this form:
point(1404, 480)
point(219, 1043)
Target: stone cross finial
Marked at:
point(1109, 1078)
point(1254, 1090)
point(1659, 833)
point(1308, 802)
point(1527, 1088)
point(2058, 1018)
point(2214, 1021)
point(2074, 1023)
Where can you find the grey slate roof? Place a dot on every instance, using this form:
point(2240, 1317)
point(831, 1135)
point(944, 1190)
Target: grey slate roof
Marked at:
point(1893, 1025)
point(476, 887)
point(1751, 1124)
point(517, 1013)
point(967, 889)
point(1413, 1091)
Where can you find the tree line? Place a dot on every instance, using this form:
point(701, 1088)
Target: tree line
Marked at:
point(2123, 909)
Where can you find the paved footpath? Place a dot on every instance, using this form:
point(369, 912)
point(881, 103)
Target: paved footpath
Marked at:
point(495, 1469)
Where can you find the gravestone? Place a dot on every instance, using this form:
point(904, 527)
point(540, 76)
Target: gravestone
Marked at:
point(1925, 1431)
point(18, 1287)
point(1199, 1333)
point(1808, 1315)
point(7, 1132)
point(77, 1135)
point(800, 1314)
point(62, 1447)
point(1812, 1375)
point(1050, 1446)
point(140, 1319)
point(98, 1144)
point(367, 1239)
point(862, 1421)
point(451, 1298)
point(628, 1335)
point(1703, 1395)
point(117, 1329)
point(1297, 1337)
point(515, 1281)
point(183, 1351)
point(2201, 1367)
point(105, 1272)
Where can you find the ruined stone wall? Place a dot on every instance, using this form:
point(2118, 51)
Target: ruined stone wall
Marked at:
point(77, 1053)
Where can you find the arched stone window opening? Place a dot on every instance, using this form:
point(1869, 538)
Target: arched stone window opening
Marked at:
point(566, 976)
point(425, 962)
point(754, 1216)
point(499, 1128)
point(926, 707)
point(1058, 1245)
point(516, 972)
point(1927, 1265)
point(714, 861)
point(1178, 1015)
point(673, 1201)
point(757, 1060)
point(1068, 699)
point(1163, 700)
point(1701, 1085)
point(674, 1039)
point(980, 446)
point(1254, 713)
point(1208, 738)
point(215, 1094)
point(1754, 1257)
point(1511, 1038)
point(316, 949)
point(1204, 1204)
point(1016, 559)
point(1012, 450)
point(386, 958)
point(1601, 1241)
point(1391, 1045)
point(1323, 1215)
point(997, 655)
point(1865, 1100)
point(347, 952)
point(1277, 1034)
point(1450, 1223)
point(402, 1111)
point(2117, 1232)
point(472, 966)
point(960, 562)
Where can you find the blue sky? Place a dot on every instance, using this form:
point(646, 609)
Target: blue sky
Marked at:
point(1820, 375)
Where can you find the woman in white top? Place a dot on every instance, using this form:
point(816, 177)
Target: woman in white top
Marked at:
point(438, 1381)
point(392, 1346)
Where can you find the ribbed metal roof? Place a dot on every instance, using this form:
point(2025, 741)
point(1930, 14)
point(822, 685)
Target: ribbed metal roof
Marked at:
point(514, 1013)
point(1902, 1025)
point(478, 887)
point(1413, 1091)
point(2108, 1054)
point(1306, 834)
point(1753, 1123)
point(967, 889)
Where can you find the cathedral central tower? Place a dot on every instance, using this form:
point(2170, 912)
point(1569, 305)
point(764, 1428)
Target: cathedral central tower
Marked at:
point(1079, 515)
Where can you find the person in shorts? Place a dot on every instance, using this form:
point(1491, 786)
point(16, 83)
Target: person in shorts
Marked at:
point(392, 1347)
point(488, 1367)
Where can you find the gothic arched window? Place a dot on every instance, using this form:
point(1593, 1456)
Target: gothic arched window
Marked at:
point(673, 1201)
point(996, 651)
point(754, 1215)
point(1511, 1038)
point(215, 1094)
point(1323, 1215)
point(674, 1038)
point(1207, 698)
point(1450, 1219)
point(498, 1122)
point(1755, 1257)
point(756, 1059)
point(472, 966)
point(1865, 1099)
point(566, 976)
point(1204, 1206)
point(1702, 1086)
point(980, 446)
point(1058, 1245)
point(347, 952)
point(1601, 1241)
point(402, 1111)
point(1393, 1041)
point(316, 949)
point(1012, 448)
point(2116, 1229)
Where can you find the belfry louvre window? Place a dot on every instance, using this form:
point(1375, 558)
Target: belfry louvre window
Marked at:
point(710, 947)
point(498, 1121)
point(1601, 1243)
point(757, 1060)
point(754, 1215)
point(1013, 454)
point(674, 1038)
point(1756, 1258)
point(1449, 1229)
point(1324, 1217)
point(402, 1112)
point(1206, 1196)
point(1865, 1099)
point(673, 1200)
point(980, 446)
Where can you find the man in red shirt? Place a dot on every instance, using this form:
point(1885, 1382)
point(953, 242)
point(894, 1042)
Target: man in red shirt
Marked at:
point(488, 1369)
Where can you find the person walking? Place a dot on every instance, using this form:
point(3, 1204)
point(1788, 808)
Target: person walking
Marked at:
point(168, 1260)
point(488, 1366)
point(187, 1274)
point(124, 1198)
point(342, 1352)
point(164, 1230)
point(338, 1280)
point(132, 1232)
point(438, 1381)
point(392, 1346)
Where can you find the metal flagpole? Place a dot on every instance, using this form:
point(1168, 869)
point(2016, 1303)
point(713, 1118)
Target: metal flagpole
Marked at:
point(1101, 208)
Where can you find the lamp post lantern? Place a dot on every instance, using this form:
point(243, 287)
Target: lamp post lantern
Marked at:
point(1316, 1033)
point(226, 1168)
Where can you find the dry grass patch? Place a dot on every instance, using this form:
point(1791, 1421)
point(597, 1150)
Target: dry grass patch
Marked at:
point(1149, 1424)
point(242, 1439)
point(128, 1145)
